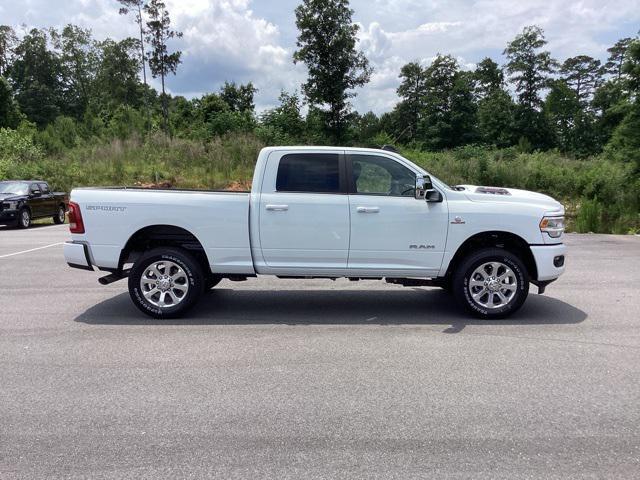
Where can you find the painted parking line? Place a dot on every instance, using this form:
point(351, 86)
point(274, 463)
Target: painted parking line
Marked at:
point(31, 250)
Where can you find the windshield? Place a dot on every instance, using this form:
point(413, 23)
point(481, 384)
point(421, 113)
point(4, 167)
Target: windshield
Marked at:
point(18, 188)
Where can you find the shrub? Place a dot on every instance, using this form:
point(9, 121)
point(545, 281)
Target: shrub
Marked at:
point(589, 217)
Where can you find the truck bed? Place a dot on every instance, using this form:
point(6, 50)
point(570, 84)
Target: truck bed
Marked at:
point(218, 219)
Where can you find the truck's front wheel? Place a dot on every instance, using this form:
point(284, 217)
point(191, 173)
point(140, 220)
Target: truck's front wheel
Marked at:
point(24, 218)
point(491, 283)
point(166, 282)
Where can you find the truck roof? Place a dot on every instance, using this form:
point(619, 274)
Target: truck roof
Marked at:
point(347, 149)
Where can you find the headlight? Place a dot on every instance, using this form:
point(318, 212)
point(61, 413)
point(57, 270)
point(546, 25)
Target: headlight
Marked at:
point(11, 205)
point(554, 226)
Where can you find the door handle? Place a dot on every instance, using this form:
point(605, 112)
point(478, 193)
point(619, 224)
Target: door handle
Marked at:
point(368, 209)
point(278, 208)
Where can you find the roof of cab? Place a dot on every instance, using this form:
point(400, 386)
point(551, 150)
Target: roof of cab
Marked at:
point(346, 149)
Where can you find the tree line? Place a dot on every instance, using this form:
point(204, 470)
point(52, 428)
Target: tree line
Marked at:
point(67, 87)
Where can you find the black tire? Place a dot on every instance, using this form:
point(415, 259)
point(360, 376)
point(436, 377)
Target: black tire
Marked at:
point(195, 282)
point(462, 277)
point(211, 281)
point(24, 218)
point(59, 218)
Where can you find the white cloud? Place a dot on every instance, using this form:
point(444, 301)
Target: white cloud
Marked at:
point(395, 32)
point(224, 41)
point(227, 40)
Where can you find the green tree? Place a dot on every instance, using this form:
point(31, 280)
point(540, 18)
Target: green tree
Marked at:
point(182, 115)
point(583, 74)
point(285, 122)
point(528, 67)
point(78, 62)
point(532, 128)
point(449, 115)
point(366, 128)
point(217, 118)
point(463, 110)
point(413, 92)
point(625, 141)
point(561, 106)
point(161, 62)
point(239, 97)
point(610, 103)
point(487, 77)
point(116, 81)
point(36, 76)
point(617, 56)
point(9, 111)
point(632, 69)
point(8, 41)
point(496, 117)
point(327, 45)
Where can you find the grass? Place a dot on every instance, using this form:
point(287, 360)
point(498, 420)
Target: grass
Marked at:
point(600, 195)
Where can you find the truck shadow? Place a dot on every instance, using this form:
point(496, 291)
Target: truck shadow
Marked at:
point(332, 307)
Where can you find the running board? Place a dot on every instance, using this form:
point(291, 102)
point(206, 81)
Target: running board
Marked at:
point(113, 277)
point(415, 282)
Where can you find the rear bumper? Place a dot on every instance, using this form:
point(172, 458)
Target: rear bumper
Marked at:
point(550, 261)
point(77, 255)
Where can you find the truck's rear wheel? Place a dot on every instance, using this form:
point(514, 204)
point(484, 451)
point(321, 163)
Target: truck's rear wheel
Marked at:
point(491, 283)
point(59, 217)
point(166, 282)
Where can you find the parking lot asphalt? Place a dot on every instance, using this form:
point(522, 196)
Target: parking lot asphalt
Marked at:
point(289, 379)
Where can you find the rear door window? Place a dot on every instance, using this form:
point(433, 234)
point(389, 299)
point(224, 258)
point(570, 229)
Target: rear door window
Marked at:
point(309, 172)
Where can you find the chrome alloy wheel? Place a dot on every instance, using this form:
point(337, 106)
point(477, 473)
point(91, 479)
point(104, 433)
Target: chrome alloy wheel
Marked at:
point(25, 218)
point(61, 215)
point(493, 285)
point(164, 284)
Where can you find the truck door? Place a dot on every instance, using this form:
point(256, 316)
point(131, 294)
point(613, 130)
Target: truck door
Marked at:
point(392, 233)
point(48, 201)
point(304, 212)
point(36, 201)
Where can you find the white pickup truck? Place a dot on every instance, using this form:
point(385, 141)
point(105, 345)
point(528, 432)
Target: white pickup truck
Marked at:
point(322, 212)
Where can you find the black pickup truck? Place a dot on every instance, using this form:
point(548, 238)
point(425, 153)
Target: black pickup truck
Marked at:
point(24, 200)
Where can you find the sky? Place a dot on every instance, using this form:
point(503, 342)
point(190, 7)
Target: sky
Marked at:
point(253, 40)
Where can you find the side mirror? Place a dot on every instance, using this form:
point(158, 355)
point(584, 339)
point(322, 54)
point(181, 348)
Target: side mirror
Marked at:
point(433, 196)
point(36, 193)
point(419, 187)
point(423, 186)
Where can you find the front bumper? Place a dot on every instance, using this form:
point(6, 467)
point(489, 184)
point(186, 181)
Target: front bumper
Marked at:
point(550, 261)
point(77, 255)
point(8, 217)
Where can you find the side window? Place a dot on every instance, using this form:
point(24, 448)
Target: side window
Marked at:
point(44, 187)
point(309, 172)
point(376, 175)
point(33, 188)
